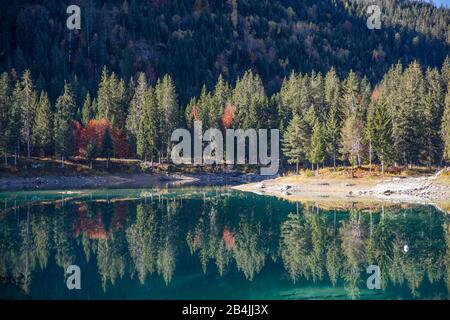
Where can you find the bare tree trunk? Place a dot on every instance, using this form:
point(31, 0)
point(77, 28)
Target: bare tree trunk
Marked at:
point(382, 167)
point(6, 159)
point(296, 167)
point(334, 159)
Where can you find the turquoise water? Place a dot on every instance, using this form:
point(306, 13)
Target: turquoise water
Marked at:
point(197, 243)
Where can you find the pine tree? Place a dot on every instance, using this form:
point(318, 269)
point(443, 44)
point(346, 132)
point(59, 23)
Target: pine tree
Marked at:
point(351, 139)
point(27, 102)
point(220, 98)
point(445, 127)
point(43, 125)
point(317, 150)
point(350, 94)
point(295, 141)
point(136, 109)
point(332, 133)
point(148, 128)
point(382, 131)
point(65, 104)
point(4, 110)
point(433, 110)
point(14, 125)
point(87, 112)
point(409, 128)
point(251, 102)
point(167, 102)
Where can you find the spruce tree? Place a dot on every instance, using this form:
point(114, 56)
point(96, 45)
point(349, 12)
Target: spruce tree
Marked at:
point(317, 150)
point(445, 127)
point(220, 98)
point(409, 128)
point(168, 109)
point(43, 125)
point(5, 103)
point(433, 110)
point(87, 113)
point(295, 142)
point(136, 108)
point(351, 140)
point(63, 139)
point(27, 102)
point(332, 133)
point(382, 131)
point(148, 128)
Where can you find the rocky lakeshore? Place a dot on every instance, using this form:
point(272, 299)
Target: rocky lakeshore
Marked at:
point(421, 189)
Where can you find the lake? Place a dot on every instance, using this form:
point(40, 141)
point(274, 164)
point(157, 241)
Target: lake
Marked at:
point(216, 243)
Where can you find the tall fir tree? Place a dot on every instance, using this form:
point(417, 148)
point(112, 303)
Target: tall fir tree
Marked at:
point(27, 102)
point(147, 137)
point(43, 126)
point(445, 127)
point(168, 108)
point(5, 104)
point(295, 142)
point(63, 138)
point(409, 128)
point(136, 108)
point(87, 113)
point(433, 110)
point(382, 131)
point(317, 150)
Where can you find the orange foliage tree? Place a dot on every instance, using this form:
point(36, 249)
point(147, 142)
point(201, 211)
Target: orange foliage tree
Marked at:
point(228, 116)
point(94, 132)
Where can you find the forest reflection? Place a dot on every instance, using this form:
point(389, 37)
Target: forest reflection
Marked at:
point(227, 232)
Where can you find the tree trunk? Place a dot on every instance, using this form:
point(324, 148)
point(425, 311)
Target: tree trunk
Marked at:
point(107, 163)
point(6, 159)
point(28, 147)
point(382, 167)
point(296, 167)
point(353, 171)
point(62, 161)
point(334, 159)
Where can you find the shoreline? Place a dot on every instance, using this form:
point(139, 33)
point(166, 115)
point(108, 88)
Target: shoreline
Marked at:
point(426, 190)
point(122, 180)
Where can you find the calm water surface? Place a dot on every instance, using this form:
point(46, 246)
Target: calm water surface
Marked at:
point(197, 243)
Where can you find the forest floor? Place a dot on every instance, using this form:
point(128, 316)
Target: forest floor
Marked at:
point(419, 186)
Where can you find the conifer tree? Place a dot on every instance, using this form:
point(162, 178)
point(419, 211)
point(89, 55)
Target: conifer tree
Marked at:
point(220, 98)
point(295, 141)
point(5, 102)
point(43, 125)
point(251, 102)
point(87, 113)
point(351, 137)
point(332, 133)
point(317, 150)
point(27, 102)
point(136, 108)
point(63, 139)
point(409, 129)
point(14, 125)
point(148, 128)
point(445, 128)
point(433, 110)
point(382, 130)
point(168, 109)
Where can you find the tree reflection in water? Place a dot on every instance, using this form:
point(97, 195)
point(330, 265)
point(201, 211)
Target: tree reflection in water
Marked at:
point(228, 234)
